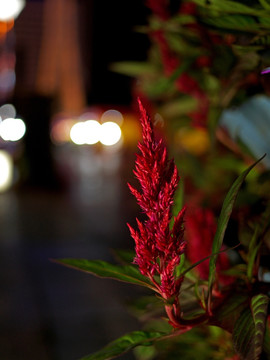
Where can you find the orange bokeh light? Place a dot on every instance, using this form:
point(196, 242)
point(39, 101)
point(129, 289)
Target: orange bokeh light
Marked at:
point(6, 26)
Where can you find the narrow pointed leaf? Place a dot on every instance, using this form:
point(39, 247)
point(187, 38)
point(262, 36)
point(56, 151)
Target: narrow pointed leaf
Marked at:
point(128, 273)
point(253, 252)
point(231, 7)
point(185, 271)
point(234, 22)
point(222, 224)
point(124, 344)
point(259, 304)
point(265, 4)
point(132, 68)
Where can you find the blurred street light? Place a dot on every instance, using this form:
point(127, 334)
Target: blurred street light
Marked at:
point(10, 9)
point(12, 129)
point(6, 174)
point(110, 133)
point(91, 131)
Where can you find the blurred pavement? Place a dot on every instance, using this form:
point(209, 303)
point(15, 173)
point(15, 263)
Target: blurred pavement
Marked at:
point(48, 311)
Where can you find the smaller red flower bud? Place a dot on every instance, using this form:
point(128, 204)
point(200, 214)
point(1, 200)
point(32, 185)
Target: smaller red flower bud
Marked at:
point(203, 61)
point(188, 8)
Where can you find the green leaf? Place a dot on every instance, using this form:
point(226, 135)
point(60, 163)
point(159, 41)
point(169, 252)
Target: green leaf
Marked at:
point(222, 225)
point(264, 21)
point(132, 68)
point(243, 335)
point(125, 257)
point(259, 304)
point(234, 22)
point(128, 273)
point(233, 304)
point(228, 6)
point(145, 353)
point(237, 22)
point(247, 49)
point(180, 267)
point(252, 253)
point(146, 307)
point(265, 4)
point(266, 343)
point(185, 271)
point(178, 199)
point(124, 344)
point(238, 271)
point(249, 329)
point(179, 106)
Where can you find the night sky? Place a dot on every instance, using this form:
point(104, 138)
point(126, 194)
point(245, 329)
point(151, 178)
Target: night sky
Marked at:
point(114, 39)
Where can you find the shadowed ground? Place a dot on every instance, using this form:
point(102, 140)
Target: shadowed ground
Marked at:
point(49, 311)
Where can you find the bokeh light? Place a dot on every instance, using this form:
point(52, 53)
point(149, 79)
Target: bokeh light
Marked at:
point(195, 140)
point(10, 9)
point(6, 26)
point(110, 133)
point(92, 132)
point(86, 132)
point(12, 129)
point(6, 173)
point(112, 116)
point(7, 111)
point(77, 134)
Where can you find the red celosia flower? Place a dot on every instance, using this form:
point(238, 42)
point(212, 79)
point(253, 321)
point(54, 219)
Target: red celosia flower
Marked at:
point(158, 247)
point(188, 8)
point(203, 61)
point(171, 62)
point(169, 59)
point(159, 8)
point(186, 84)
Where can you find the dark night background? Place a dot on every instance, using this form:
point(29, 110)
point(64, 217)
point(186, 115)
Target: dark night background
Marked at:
point(115, 39)
point(69, 201)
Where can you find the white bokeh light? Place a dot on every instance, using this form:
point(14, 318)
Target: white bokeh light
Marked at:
point(87, 132)
point(77, 134)
point(110, 133)
point(92, 132)
point(12, 129)
point(6, 172)
point(10, 9)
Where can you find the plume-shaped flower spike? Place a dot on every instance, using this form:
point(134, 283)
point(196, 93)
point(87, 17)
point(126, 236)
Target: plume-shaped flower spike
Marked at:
point(158, 247)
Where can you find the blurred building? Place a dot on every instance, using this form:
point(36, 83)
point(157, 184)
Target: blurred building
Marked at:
point(63, 50)
point(60, 50)
point(65, 47)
